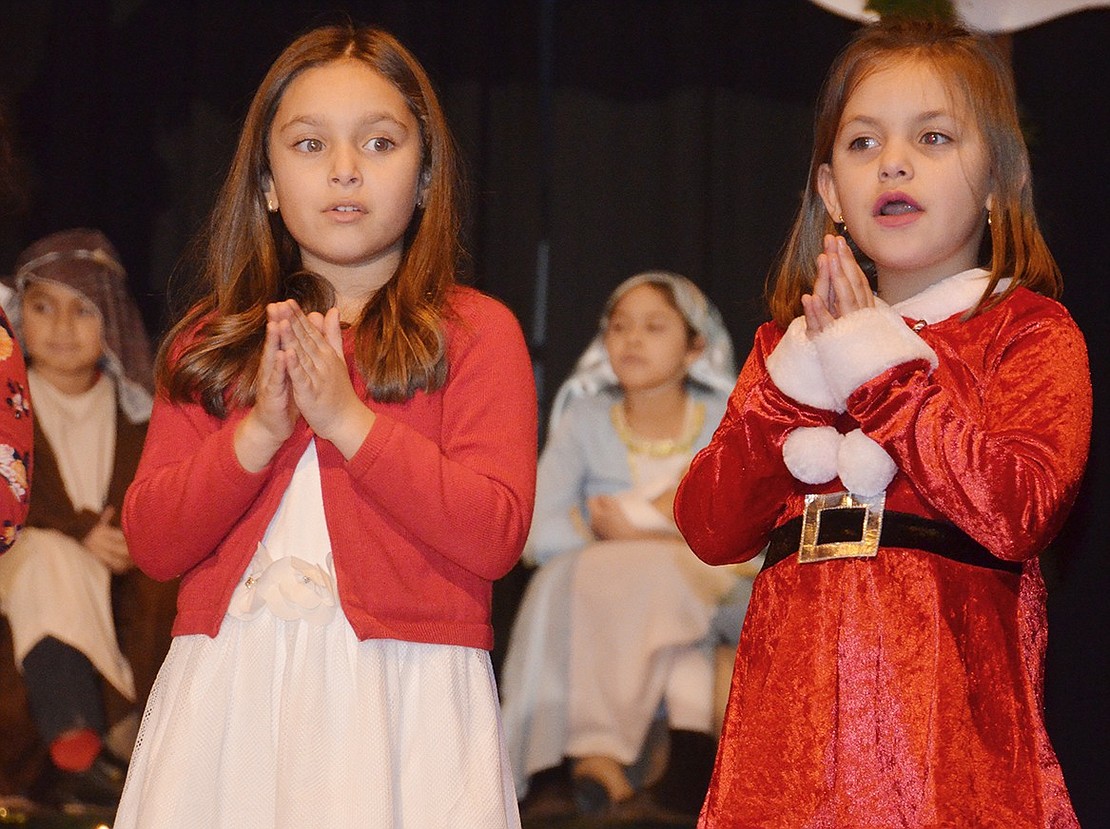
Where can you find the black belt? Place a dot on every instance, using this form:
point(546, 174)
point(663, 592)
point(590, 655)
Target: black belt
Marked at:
point(900, 529)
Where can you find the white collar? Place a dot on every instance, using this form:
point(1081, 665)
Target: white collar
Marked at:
point(949, 296)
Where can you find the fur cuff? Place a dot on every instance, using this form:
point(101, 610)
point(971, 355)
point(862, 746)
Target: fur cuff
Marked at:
point(810, 453)
point(864, 344)
point(796, 370)
point(865, 468)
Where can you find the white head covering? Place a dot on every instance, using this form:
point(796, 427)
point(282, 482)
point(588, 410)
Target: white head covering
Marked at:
point(714, 369)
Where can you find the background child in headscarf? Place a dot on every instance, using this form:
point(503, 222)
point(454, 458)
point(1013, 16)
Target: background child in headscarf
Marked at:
point(617, 626)
point(88, 630)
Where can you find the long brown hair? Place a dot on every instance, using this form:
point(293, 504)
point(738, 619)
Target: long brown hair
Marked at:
point(249, 259)
point(975, 70)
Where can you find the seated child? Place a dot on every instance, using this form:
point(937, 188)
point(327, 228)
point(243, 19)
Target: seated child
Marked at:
point(620, 623)
point(88, 630)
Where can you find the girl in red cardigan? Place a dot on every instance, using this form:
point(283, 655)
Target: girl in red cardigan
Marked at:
point(903, 458)
point(340, 462)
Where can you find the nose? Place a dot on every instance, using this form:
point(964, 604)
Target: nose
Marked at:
point(894, 163)
point(345, 170)
point(633, 335)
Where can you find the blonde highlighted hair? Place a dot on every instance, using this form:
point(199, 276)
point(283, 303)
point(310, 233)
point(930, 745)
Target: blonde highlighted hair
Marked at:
point(975, 71)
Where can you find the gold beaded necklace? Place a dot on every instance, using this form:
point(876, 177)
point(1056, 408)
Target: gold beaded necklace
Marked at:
point(659, 447)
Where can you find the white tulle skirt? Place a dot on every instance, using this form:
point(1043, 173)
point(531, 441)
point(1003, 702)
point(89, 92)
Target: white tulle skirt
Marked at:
point(285, 724)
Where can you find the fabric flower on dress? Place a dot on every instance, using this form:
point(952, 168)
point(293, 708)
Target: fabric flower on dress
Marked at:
point(289, 587)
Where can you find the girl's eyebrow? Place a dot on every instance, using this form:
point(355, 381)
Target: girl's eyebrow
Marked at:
point(368, 120)
point(872, 121)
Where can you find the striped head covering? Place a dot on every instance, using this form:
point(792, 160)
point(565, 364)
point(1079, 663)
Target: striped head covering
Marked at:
point(84, 261)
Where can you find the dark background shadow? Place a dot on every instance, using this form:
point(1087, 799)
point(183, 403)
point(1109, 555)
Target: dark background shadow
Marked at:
point(601, 138)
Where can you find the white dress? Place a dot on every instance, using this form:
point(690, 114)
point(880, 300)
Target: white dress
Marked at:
point(285, 720)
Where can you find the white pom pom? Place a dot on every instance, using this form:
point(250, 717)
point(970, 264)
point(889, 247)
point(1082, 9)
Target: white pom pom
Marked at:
point(864, 467)
point(811, 453)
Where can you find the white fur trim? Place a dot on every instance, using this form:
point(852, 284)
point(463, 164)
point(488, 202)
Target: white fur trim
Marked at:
point(953, 295)
point(865, 467)
point(810, 453)
point(796, 370)
point(865, 343)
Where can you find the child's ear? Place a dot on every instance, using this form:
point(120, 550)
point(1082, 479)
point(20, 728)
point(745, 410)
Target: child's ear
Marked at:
point(269, 192)
point(826, 187)
point(422, 187)
point(695, 350)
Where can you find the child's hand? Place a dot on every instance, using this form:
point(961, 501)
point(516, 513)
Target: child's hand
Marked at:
point(271, 420)
point(665, 503)
point(608, 521)
point(841, 287)
point(107, 543)
point(318, 377)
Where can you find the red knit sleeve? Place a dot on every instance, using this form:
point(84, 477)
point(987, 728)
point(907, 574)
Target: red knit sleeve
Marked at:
point(189, 490)
point(469, 497)
point(16, 437)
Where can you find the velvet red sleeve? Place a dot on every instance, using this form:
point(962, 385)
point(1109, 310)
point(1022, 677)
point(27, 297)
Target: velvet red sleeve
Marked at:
point(996, 438)
point(737, 488)
point(16, 437)
point(470, 496)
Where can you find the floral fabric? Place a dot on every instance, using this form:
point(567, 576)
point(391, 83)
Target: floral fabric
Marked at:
point(15, 437)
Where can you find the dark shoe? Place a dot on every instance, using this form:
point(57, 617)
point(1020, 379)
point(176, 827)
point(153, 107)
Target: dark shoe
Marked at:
point(549, 796)
point(590, 795)
point(75, 792)
point(643, 810)
point(597, 782)
point(681, 790)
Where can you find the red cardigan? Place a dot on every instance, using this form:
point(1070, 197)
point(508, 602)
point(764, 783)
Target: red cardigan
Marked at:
point(434, 506)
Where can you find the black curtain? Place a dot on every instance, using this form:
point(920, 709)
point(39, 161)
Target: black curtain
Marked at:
point(601, 138)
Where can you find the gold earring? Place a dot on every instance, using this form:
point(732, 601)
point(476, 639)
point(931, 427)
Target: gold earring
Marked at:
point(271, 206)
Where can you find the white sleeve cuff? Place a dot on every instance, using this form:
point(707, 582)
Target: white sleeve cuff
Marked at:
point(796, 370)
point(862, 345)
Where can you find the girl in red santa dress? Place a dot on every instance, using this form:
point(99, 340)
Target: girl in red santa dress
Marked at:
point(905, 438)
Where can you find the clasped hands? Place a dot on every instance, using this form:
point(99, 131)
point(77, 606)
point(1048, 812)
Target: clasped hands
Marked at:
point(609, 522)
point(302, 373)
point(839, 289)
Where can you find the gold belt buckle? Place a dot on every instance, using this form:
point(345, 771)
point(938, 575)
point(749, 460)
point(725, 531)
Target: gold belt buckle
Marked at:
point(868, 544)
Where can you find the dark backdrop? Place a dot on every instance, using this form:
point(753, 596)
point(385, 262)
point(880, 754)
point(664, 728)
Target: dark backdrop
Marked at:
point(601, 138)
